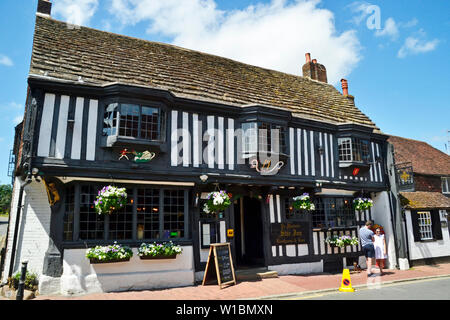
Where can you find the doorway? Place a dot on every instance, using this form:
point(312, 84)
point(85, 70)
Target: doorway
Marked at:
point(249, 233)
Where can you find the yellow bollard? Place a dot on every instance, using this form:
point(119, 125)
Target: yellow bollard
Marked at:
point(346, 284)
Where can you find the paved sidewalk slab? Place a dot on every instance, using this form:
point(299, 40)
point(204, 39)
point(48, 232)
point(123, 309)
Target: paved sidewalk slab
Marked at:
point(283, 285)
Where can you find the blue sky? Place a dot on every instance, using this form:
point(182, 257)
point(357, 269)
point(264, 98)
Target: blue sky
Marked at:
point(394, 54)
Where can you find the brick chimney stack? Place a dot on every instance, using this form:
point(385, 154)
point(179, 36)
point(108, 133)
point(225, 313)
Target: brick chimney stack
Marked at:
point(344, 84)
point(312, 69)
point(350, 98)
point(44, 7)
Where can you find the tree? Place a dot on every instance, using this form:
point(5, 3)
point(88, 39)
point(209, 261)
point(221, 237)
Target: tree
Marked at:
point(5, 198)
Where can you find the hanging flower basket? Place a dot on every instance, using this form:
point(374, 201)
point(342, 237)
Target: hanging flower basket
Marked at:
point(109, 254)
point(110, 199)
point(217, 202)
point(303, 202)
point(342, 241)
point(166, 250)
point(361, 204)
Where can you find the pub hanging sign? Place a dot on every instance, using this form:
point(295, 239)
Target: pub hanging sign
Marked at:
point(289, 233)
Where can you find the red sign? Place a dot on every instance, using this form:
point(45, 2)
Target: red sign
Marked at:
point(355, 171)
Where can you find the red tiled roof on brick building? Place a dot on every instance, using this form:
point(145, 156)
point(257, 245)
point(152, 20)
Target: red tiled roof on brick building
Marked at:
point(425, 159)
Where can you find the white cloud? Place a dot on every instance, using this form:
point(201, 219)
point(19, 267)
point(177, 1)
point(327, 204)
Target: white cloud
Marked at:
point(18, 119)
point(390, 30)
point(274, 35)
point(6, 61)
point(417, 44)
point(409, 24)
point(10, 106)
point(75, 12)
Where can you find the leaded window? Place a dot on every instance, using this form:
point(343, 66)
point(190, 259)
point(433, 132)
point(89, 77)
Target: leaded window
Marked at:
point(425, 225)
point(262, 137)
point(353, 150)
point(91, 223)
point(333, 212)
point(151, 213)
point(134, 121)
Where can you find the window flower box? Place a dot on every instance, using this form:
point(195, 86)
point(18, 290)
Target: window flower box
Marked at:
point(109, 254)
point(342, 241)
point(158, 251)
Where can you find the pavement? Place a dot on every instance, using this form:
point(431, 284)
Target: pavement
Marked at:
point(282, 287)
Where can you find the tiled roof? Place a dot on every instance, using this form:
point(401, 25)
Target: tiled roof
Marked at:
point(425, 200)
point(101, 57)
point(425, 159)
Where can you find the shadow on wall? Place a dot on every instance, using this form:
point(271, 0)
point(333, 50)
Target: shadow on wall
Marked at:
point(34, 229)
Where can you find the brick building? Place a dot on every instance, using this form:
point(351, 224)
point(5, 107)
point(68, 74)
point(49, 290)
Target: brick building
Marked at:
point(422, 180)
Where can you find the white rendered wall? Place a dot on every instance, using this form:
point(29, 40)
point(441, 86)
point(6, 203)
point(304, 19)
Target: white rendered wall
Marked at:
point(34, 228)
point(431, 249)
point(381, 214)
point(80, 277)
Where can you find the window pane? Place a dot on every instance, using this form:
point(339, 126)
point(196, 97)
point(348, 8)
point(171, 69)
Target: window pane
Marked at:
point(150, 124)
point(110, 119)
point(173, 214)
point(345, 149)
point(91, 223)
point(249, 138)
point(333, 212)
point(121, 222)
point(129, 120)
point(148, 214)
point(68, 214)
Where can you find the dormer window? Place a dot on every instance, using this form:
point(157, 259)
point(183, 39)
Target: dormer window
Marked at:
point(353, 149)
point(133, 122)
point(262, 137)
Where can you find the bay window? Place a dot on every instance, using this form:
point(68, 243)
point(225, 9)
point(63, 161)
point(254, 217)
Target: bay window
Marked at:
point(353, 149)
point(262, 137)
point(133, 121)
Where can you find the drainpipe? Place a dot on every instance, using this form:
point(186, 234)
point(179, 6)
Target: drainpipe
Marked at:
point(406, 235)
point(16, 231)
point(393, 228)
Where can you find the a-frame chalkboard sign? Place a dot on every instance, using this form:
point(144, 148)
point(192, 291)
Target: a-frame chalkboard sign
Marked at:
point(219, 265)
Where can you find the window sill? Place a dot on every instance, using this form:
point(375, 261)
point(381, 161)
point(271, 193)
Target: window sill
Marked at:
point(129, 142)
point(129, 243)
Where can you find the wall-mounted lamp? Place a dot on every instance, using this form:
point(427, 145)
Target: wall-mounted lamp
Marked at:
point(204, 177)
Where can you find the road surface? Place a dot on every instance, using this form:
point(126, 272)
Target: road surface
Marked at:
point(427, 289)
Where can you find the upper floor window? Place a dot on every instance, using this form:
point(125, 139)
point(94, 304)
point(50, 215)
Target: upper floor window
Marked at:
point(446, 185)
point(134, 121)
point(353, 150)
point(262, 137)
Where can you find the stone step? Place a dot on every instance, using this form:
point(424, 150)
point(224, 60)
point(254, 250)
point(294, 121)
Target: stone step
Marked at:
point(255, 274)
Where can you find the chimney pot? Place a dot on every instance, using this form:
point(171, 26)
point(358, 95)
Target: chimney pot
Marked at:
point(44, 7)
point(308, 57)
point(344, 84)
point(314, 61)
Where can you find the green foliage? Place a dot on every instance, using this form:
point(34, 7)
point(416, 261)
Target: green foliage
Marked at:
point(31, 281)
point(5, 198)
point(157, 249)
point(108, 253)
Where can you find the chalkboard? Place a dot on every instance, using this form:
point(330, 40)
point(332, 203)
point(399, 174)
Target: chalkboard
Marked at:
point(289, 233)
point(220, 265)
